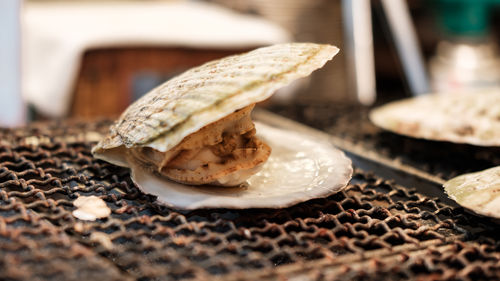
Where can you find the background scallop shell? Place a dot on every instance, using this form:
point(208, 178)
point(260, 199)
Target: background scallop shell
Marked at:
point(207, 93)
point(299, 169)
point(472, 118)
point(479, 192)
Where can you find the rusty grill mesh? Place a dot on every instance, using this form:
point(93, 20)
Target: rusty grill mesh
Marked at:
point(372, 230)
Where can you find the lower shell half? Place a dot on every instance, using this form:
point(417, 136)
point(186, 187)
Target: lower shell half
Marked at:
point(300, 168)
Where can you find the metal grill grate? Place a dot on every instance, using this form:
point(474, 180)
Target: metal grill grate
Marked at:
point(372, 230)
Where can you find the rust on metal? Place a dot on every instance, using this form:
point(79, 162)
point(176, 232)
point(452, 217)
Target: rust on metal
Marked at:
point(374, 229)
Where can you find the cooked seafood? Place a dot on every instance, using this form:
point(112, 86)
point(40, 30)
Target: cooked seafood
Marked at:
point(224, 153)
point(196, 128)
point(300, 168)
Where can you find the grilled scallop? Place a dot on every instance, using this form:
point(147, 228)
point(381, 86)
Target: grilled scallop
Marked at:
point(225, 152)
point(196, 128)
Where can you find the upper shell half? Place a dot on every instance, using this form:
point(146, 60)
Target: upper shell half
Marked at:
point(166, 115)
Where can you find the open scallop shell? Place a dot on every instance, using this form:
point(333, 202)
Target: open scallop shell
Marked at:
point(479, 192)
point(202, 95)
point(472, 118)
point(300, 168)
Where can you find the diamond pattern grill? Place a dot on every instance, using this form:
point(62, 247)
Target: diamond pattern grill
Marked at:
point(372, 230)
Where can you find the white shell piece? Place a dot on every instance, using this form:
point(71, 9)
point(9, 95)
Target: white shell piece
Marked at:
point(90, 208)
point(472, 118)
point(479, 192)
point(299, 168)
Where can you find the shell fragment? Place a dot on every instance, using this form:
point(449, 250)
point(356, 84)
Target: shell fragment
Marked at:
point(90, 208)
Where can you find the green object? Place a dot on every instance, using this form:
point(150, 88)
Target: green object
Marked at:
point(465, 18)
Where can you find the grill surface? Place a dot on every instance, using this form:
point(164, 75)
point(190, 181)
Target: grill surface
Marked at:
point(374, 229)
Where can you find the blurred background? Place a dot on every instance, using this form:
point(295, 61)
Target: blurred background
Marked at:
point(91, 59)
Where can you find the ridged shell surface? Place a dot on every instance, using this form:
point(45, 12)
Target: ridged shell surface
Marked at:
point(479, 192)
point(467, 117)
point(202, 95)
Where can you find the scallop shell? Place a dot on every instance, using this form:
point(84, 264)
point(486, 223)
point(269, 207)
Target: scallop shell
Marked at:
point(202, 95)
point(479, 192)
point(472, 118)
point(300, 168)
